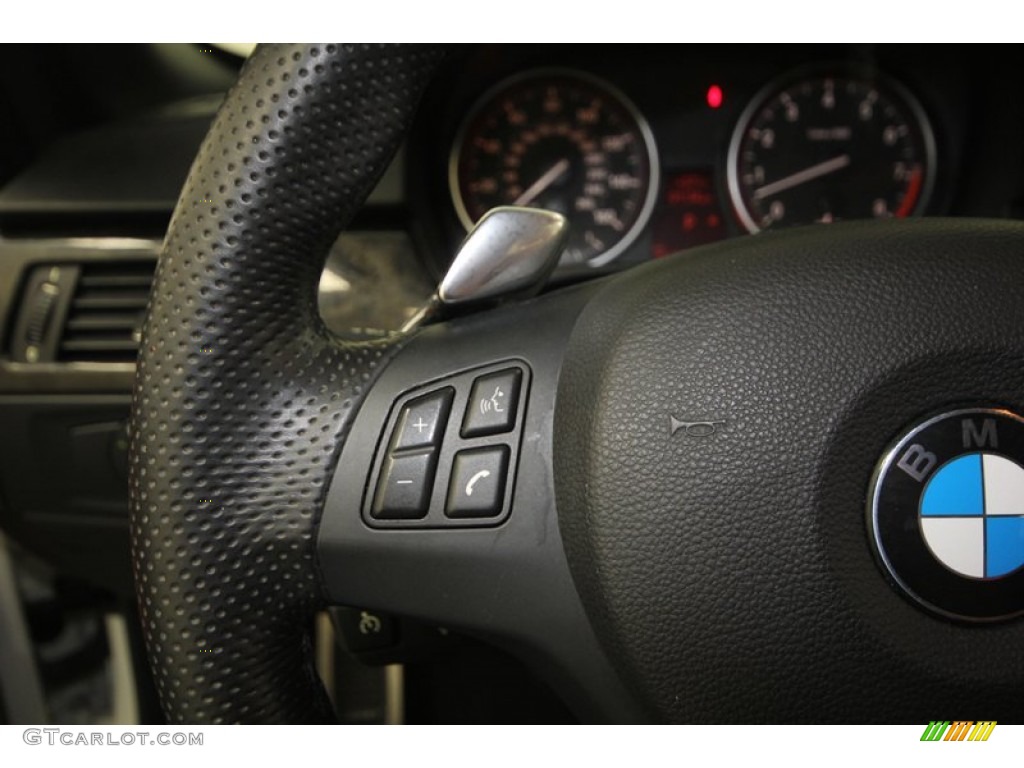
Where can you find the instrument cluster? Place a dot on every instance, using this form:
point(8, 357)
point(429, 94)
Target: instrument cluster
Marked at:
point(649, 152)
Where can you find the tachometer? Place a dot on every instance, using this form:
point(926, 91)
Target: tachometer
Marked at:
point(564, 142)
point(826, 148)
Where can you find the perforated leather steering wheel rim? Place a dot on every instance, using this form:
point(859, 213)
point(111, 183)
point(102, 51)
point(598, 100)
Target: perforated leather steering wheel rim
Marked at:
point(242, 398)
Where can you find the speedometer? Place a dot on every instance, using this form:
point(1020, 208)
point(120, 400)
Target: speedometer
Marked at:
point(565, 142)
point(830, 147)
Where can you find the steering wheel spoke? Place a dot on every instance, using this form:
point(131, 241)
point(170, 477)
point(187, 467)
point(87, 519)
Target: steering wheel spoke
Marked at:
point(442, 506)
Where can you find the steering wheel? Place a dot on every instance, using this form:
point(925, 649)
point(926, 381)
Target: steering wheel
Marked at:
point(647, 568)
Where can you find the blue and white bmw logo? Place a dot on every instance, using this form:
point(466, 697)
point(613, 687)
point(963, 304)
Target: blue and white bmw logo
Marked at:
point(972, 515)
point(946, 514)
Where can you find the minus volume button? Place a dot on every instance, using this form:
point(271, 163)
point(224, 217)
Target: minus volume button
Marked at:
point(406, 480)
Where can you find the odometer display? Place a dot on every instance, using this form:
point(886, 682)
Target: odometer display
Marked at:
point(830, 148)
point(563, 142)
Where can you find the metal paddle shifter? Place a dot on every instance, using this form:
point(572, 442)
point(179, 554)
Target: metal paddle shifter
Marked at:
point(509, 253)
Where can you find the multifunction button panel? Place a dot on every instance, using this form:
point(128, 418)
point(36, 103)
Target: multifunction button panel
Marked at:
point(448, 453)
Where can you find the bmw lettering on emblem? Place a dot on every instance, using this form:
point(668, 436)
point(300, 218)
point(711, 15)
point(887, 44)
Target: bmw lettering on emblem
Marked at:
point(946, 514)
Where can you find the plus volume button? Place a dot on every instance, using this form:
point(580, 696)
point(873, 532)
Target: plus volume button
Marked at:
point(422, 421)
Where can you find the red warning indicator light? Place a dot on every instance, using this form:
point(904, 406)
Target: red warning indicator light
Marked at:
point(715, 96)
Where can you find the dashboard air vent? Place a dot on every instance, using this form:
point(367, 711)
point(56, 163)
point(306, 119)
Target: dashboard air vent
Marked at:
point(104, 319)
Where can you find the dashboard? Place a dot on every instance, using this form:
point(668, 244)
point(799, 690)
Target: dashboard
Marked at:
point(652, 150)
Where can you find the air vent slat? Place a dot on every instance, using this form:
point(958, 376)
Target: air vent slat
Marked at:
point(102, 322)
point(99, 345)
point(116, 281)
point(106, 312)
point(111, 300)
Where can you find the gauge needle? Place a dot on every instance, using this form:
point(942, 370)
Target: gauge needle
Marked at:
point(801, 177)
point(551, 175)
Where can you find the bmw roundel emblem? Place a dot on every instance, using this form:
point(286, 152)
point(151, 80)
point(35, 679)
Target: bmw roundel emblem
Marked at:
point(946, 513)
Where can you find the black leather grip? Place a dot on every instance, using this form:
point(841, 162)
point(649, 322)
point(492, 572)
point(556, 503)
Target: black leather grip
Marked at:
point(241, 398)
